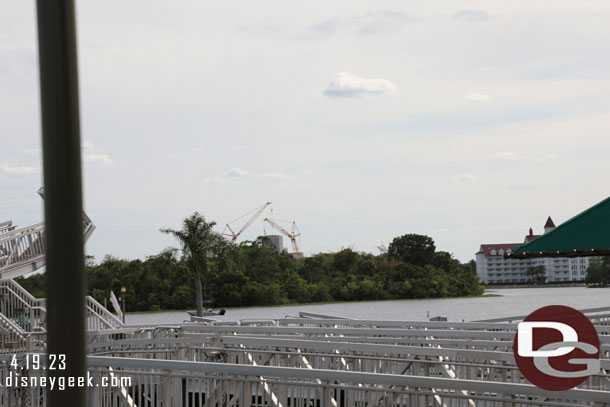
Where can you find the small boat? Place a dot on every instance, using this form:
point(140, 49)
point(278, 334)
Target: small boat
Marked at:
point(207, 312)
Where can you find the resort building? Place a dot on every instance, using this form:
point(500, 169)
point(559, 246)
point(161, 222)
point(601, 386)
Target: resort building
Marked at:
point(494, 268)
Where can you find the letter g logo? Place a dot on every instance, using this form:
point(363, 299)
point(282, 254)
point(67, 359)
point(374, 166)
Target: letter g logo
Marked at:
point(557, 348)
point(526, 339)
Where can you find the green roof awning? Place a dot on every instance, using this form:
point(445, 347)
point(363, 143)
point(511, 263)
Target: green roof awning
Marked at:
point(586, 234)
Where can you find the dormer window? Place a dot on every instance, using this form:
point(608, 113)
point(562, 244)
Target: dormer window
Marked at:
point(493, 252)
point(501, 252)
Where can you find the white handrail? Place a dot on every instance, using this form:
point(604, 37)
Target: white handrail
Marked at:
point(102, 313)
point(23, 250)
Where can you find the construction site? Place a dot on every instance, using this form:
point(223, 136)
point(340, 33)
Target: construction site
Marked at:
point(274, 242)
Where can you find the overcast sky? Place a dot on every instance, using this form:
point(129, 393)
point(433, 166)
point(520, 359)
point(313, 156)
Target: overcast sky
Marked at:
point(468, 121)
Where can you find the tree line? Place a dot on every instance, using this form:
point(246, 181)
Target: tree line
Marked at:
point(252, 274)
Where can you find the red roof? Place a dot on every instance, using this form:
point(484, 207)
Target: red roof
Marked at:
point(531, 236)
point(487, 248)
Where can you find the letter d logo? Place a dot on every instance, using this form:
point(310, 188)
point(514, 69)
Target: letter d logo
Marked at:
point(526, 339)
point(556, 348)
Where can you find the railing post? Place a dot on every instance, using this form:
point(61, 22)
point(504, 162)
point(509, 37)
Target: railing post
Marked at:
point(167, 389)
point(94, 393)
point(63, 194)
point(326, 394)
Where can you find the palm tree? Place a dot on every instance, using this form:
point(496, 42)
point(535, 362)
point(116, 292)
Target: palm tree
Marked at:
point(199, 244)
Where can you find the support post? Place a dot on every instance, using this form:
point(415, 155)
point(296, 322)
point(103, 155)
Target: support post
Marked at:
point(63, 195)
point(123, 290)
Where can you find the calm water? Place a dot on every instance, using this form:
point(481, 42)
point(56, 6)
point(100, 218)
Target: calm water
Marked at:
point(513, 301)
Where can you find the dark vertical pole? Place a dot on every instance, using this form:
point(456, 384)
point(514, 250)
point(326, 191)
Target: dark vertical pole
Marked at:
point(63, 195)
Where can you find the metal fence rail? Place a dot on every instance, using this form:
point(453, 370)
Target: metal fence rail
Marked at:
point(160, 383)
point(30, 313)
point(428, 361)
point(22, 250)
point(21, 307)
point(12, 337)
point(315, 361)
point(98, 317)
point(589, 312)
point(192, 383)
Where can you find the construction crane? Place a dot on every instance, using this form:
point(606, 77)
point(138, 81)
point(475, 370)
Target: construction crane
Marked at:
point(292, 236)
point(257, 213)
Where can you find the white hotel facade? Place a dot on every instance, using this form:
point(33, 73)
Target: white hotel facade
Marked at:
point(494, 268)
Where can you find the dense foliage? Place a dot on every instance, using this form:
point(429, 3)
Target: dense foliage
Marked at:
point(254, 275)
point(537, 273)
point(598, 272)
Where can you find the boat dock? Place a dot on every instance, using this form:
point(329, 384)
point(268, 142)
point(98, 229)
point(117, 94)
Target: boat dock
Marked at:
point(305, 360)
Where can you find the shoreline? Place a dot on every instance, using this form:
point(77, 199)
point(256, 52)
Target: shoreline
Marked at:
point(552, 285)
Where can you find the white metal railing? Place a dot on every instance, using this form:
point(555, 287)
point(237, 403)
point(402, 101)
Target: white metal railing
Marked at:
point(589, 312)
point(22, 249)
point(88, 226)
point(6, 227)
point(480, 355)
point(229, 384)
point(12, 337)
point(98, 317)
point(21, 307)
point(305, 362)
point(29, 312)
point(164, 383)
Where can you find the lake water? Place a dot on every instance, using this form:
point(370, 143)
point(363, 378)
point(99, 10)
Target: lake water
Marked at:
point(512, 301)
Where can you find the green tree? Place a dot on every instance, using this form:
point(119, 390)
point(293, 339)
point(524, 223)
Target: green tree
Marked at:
point(538, 273)
point(199, 244)
point(413, 249)
point(251, 275)
point(345, 260)
point(598, 272)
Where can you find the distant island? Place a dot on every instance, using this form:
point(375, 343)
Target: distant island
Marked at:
point(252, 274)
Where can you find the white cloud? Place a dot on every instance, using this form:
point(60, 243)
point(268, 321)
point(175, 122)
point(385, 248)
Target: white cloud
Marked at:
point(511, 155)
point(477, 97)
point(348, 85)
point(241, 175)
point(18, 171)
point(381, 21)
point(87, 145)
point(92, 156)
point(273, 176)
point(371, 23)
point(464, 178)
point(471, 15)
point(241, 147)
point(330, 26)
point(237, 173)
point(101, 159)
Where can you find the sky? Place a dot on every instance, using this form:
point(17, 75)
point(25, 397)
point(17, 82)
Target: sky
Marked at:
point(467, 121)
